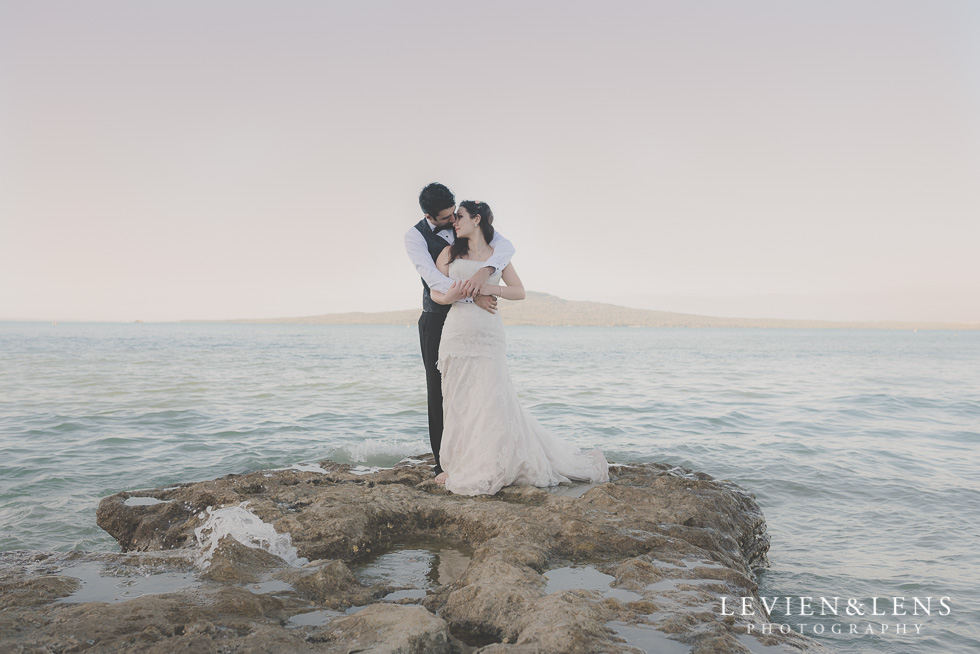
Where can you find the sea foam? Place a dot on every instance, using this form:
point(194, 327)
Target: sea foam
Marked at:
point(377, 452)
point(245, 527)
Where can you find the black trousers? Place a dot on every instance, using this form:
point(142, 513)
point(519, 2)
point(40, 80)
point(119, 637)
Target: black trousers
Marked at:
point(430, 333)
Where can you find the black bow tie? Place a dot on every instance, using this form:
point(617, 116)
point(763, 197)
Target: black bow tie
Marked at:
point(439, 228)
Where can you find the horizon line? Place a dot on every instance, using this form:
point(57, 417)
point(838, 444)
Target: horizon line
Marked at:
point(945, 324)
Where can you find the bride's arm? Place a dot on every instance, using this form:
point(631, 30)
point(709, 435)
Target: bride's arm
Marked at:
point(455, 291)
point(514, 289)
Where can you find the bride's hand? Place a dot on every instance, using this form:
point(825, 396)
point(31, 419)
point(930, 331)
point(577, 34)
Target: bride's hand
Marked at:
point(455, 292)
point(473, 285)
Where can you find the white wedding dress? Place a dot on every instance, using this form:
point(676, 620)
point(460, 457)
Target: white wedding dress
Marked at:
point(489, 441)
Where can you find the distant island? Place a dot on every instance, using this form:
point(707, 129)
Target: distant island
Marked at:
point(542, 309)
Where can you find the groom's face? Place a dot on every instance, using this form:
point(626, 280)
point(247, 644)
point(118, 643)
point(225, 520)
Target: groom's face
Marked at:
point(444, 217)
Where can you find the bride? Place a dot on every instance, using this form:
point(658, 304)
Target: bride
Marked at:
point(490, 441)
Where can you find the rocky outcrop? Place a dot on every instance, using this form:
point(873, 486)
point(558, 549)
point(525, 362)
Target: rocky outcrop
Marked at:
point(636, 564)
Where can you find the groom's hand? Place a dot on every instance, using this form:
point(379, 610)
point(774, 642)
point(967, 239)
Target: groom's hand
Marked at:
point(472, 286)
point(486, 302)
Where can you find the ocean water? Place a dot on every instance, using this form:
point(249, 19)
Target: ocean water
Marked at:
point(860, 445)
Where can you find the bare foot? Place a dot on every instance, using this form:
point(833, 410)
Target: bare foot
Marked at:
point(442, 477)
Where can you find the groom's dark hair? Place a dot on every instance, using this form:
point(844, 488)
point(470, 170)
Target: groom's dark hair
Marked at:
point(434, 198)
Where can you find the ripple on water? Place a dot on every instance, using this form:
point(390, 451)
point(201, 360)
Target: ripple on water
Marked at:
point(99, 585)
point(647, 638)
point(421, 564)
point(313, 618)
point(586, 577)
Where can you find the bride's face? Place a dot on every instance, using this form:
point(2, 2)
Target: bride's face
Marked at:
point(464, 224)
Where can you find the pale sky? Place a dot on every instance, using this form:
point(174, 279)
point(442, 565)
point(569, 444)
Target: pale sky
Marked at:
point(239, 159)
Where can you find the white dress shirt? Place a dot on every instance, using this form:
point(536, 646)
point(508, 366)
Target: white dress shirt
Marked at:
point(418, 252)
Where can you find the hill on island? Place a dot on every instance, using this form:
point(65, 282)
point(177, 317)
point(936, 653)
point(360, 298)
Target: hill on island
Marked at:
point(543, 309)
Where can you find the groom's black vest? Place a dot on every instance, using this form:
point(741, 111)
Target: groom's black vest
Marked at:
point(436, 245)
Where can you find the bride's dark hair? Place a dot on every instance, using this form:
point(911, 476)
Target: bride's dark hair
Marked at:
point(462, 245)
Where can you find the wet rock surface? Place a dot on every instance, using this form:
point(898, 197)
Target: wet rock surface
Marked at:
point(388, 561)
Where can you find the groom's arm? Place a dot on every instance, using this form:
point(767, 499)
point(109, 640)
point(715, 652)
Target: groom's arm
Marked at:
point(503, 252)
point(419, 255)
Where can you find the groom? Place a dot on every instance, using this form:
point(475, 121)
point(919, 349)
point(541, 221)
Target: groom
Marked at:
point(424, 242)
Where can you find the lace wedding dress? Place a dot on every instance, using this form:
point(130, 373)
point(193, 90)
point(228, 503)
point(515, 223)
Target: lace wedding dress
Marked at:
point(489, 441)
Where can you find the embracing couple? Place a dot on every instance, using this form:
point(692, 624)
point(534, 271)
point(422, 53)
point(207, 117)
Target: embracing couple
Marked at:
point(481, 436)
